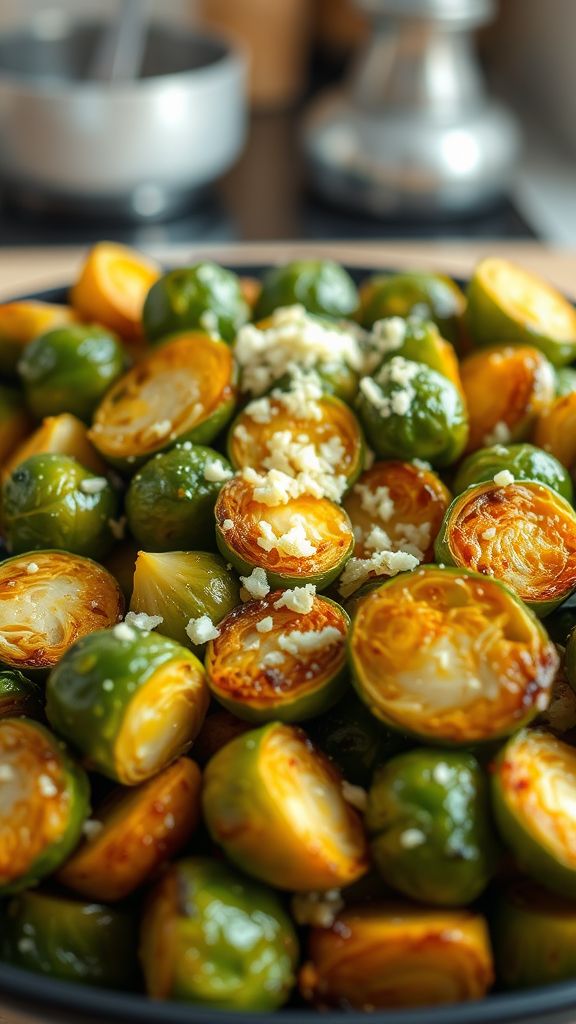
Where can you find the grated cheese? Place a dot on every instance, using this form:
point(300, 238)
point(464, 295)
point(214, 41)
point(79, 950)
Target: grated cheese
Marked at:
point(300, 599)
point(216, 472)
point(227, 525)
point(503, 478)
point(382, 563)
point(93, 485)
point(376, 502)
point(32, 568)
point(256, 584)
point(265, 625)
point(201, 630)
point(123, 632)
point(298, 643)
point(143, 621)
point(294, 542)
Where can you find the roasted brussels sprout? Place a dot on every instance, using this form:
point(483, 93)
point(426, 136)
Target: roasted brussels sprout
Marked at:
point(112, 286)
point(211, 936)
point(183, 585)
point(417, 340)
point(19, 696)
point(534, 936)
point(45, 799)
point(355, 740)
point(275, 805)
point(182, 391)
point(219, 728)
point(302, 540)
point(47, 603)
point(506, 301)
point(393, 955)
point(52, 501)
point(69, 369)
point(321, 286)
point(204, 297)
point(521, 533)
point(15, 421)
point(420, 294)
point(532, 787)
point(409, 410)
point(64, 938)
point(565, 381)
point(58, 435)
point(21, 322)
point(524, 461)
point(131, 701)
point(450, 656)
point(133, 832)
point(170, 502)
point(556, 430)
point(282, 658)
point(432, 838)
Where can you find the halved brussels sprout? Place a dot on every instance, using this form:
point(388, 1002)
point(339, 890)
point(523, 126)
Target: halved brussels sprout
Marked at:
point(182, 391)
point(211, 936)
point(524, 461)
point(506, 301)
point(170, 502)
point(394, 955)
point(506, 388)
point(556, 430)
point(112, 286)
point(354, 739)
point(275, 805)
point(58, 435)
point(524, 534)
point(399, 506)
point(303, 540)
point(15, 421)
point(428, 816)
point(47, 601)
point(64, 938)
point(414, 293)
point(131, 701)
point(321, 286)
point(21, 322)
point(219, 728)
point(565, 381)
point(183, 585)
point(450, 656)
point(293, 670)
point(133, 832)
point(533, 784)
point(204, 297)
point(417, 340)
point(52, 501)
point(19, 696)
point(534, 936)
point(69, 369)
point(408, 411)
point(45, 799)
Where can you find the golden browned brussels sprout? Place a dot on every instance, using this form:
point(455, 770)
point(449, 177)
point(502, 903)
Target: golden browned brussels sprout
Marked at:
point(556, 430)
point(414, 293)
point(112, 286)
point(58, 435)
point(21, 322)
point(220, 726)
point(534, 936)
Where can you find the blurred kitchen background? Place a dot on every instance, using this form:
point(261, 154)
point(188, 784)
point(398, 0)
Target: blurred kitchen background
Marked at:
point(158, 121)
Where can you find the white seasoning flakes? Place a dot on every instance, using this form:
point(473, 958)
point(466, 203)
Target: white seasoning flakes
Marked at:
point(32, 568)
point(273, 659)
point(201, 630)
point(504, 478)
point(256, 584)
point(299, 644)
point(300, 599)
point(93, 485)
point(47, 786)
point(355, 796)
point(441, 773)
point(216, 472)
point(124, 632)
point(265, 625)
point(294, 542)
point(411, 838)
point(376, 501)
point(143, 621)
point(382, 563)
point(227, 525)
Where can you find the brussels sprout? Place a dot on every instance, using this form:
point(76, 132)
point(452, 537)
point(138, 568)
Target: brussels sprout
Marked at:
point(556, 430)
point(291, 671)
point(19, 696)
point(409, 410)
point(112, 286)
point(393, 955)
point(524, 461)
point(321, 286)
point(52, 501)
point(506, 301)
point(21, 322)
point(133, 832)
point(170, 502)
point(54, 599)
point(534, 937)
point(58, 435)
point(355, 740)
point(417, 340)
point(131, 701)
point(450, 656)
point(45, 799)
point(203, 297)
point(183, 585)
point(275, 805)
point(231, 946)
point(183, 391)
point(522, 533)
point(15, 421)
point(303, 540)
point(404, 501)
point(565, 381)
point(69, 369)
point(432, 838)
point(63, 938)
point(219, 728)
point(532, 787)
point(506, 388)
point(420, 294)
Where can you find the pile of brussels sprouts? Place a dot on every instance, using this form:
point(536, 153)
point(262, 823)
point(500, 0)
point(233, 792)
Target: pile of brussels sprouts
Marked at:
point(287, 661)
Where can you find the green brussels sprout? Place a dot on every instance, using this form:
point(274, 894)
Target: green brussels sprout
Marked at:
point(524, 461)
point(534, 936)
point(408, 411)
point(355, 740)
point(64, 938)
point(414, 293)
point(45, 801)
point(276, 807)
point(321, 286)
point(170, 502)
point(69, 369)
point(19, 696)
point(21, 322)
point(231, 946)
point(417, 340)
point(15, 421)
point(52, 501)
point(565, 381)
point(129, 700)
point(428, 816)
point(203, 297)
